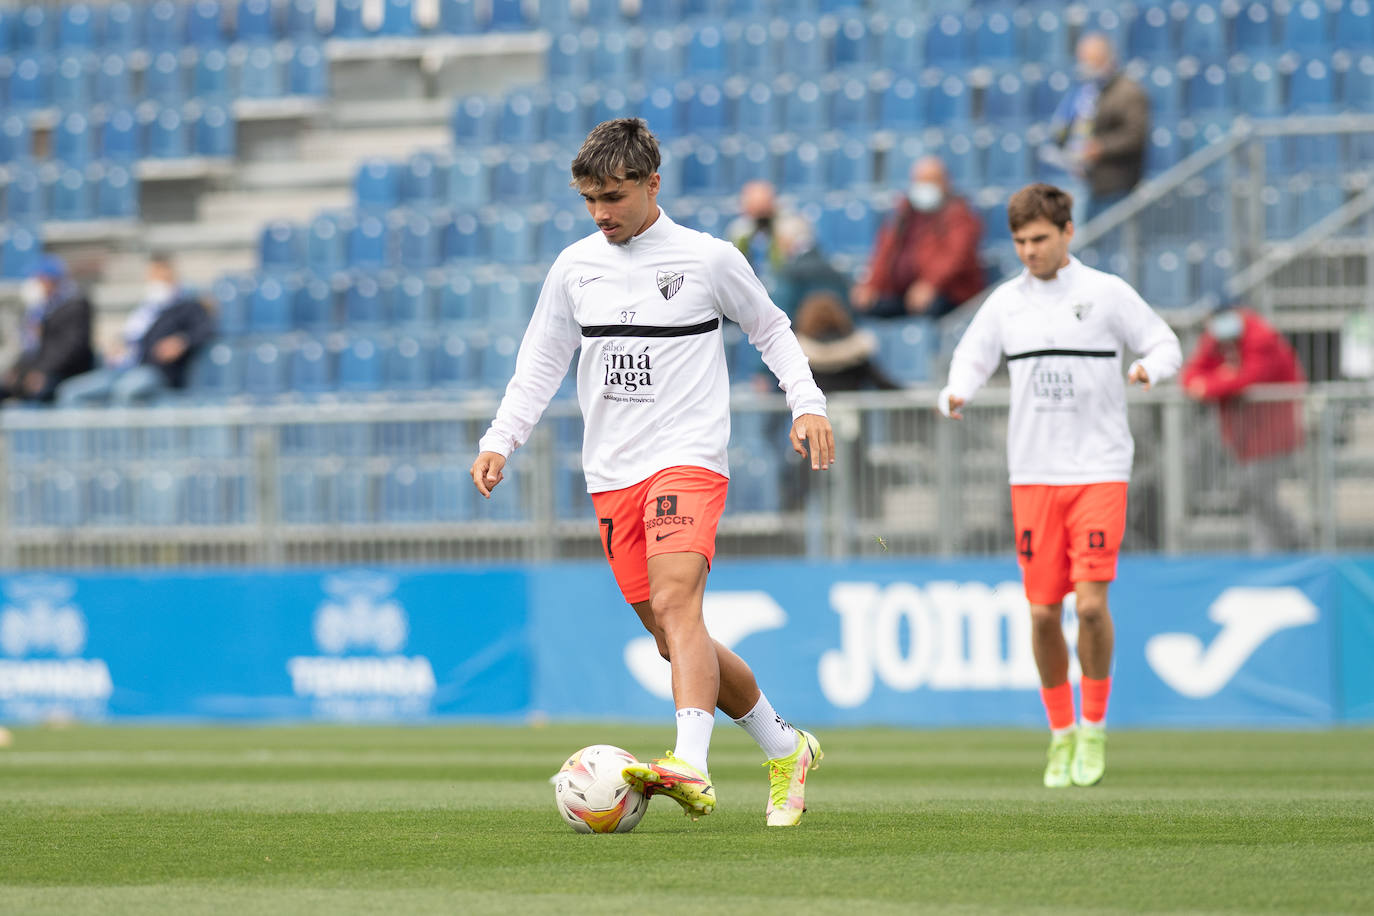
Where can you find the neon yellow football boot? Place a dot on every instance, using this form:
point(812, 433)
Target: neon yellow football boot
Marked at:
point(678, 780)
point(1060, 761)
point(1090, 755)
point(787, 781)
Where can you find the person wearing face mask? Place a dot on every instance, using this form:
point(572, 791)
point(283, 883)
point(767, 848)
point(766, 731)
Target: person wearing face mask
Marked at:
point(1237, 350)
point(55, 336)
point(1102, 127)
point(158, 341)
point(925, 257)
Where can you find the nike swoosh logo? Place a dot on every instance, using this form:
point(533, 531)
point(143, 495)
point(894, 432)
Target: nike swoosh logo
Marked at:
point(1248, 617)
point(583, 281)
point(668, 535)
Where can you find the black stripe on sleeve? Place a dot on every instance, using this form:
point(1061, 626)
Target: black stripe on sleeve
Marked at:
point(1097, 354)
point(649, 330)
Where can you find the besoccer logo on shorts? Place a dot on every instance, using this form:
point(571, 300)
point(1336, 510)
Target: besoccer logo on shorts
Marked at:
point(667, 505)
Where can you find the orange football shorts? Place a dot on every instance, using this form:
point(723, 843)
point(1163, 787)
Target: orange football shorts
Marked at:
point(1067, 534)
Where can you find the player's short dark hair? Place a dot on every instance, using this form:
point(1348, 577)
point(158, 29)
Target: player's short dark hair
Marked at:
point(1040, 201)
point(620, 150)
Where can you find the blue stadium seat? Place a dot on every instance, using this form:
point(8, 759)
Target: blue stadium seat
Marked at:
point(849, 166)
point(398, 19)
point(462, 238)
point(301, 24)
point(213, 498)
point(508, 16)
point(264, 370)
point(76, 28)
point(261, 76)
point(756, 109)
point(520, 120)
point(313, 308)
point(114, 83)
point(703, 173)
point(301, 499)
point(71, 81)
point(1163, 151)
point(1047, 37)
point(377, 185)
point(899, 160)
point(907, 348)
point(1009, 162)
point(116, 196)
point(215, 132)
point(164, 26)
point(706, 52)
point(325, 242)
point(281, 246)
point(705, 111)
point(996, 38)
point(454, 366)
point(803, 168)
point(1203, 33)
point(851, 48)
point(363, 305)
point(610, 58)
point(348, 19)
point(1355, 25)
point(1164, 278)
point(312, 367)
point(510, 239)
point(847, 227)
point(30, 83)
point(406, 495)
point(407, 364)
point(603, 13)
point(1318, 200)
point(73, 141)
point(496, 360)
point(900, 105)
point(803, 109)
point(1305, 28)
point(609, 105)
point(664, 108)
point(1007, 101)
point(368, 242)
point(1162, 86)
point(660, 11)
point(167, 135)
point(1311, 89)
point(514, 180)
point(409, 301)
point(1206, 93)
point(467, 183)
point(163, 80)
point(351, 498)
point(850, 108)
point(754, 481)
point(752, 162)
point(458, 17)
point(159, 498)
point(360, 365)
point(1357, 86)
point(110, 499)
point(419, 242)
point(1253, 31)
point(71, 196)
point(964, 159)
point(753, 50)
point(556, 233)
point(19, 251)
point(947, 42)
point(25, 201)
point(1150, 34)
point(121, 137)
point(210, 78)
point(474, 121)
point(423, 179)
point(205, 24)
point(16, 139)
point(803, 51)
point(33, 30)
point(123, 27)
point(308, 71)
point(899, 44)
point(562, 118)
point(269, 309)
point(566, 59)
point(1047, 93)
point(948, 101)
point(1256, 90)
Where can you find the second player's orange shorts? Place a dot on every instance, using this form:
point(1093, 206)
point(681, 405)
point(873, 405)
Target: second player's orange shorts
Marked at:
point(1067, 534)
point(674, 511)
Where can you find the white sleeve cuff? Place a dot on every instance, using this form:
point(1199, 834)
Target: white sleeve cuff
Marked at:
point(942, 401)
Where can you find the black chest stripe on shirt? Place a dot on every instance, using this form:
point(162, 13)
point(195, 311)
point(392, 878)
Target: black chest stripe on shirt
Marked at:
point(649, 330)
point(1030, 353)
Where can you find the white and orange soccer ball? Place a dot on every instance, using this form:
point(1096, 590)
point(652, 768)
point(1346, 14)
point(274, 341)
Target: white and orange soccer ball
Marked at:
point(593, 796)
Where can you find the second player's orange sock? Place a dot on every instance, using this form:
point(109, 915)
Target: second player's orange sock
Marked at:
point(1059, 705)
point(1095, 695)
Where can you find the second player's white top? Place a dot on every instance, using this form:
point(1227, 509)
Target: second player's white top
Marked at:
point(1063, 340)
point(651, 379)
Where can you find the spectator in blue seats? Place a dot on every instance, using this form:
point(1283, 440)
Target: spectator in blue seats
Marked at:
point(803, 268)
point(925, 258)
point(754, 231)
point(55, 336)
point(840, 354)
point(159, 339)
point(1101, 128)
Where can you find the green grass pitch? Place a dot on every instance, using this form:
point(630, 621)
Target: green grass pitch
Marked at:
point(461, 820)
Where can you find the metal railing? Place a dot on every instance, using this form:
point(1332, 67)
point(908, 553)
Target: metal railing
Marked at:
point(388, 482)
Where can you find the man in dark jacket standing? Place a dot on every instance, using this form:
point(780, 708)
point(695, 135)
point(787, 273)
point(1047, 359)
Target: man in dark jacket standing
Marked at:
point(1103, 126)
point(56, 334)
point(925, 258)
point(160, 338)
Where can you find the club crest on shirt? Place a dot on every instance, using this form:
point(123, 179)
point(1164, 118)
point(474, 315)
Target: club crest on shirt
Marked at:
point(1081, 309)
point(669, 282)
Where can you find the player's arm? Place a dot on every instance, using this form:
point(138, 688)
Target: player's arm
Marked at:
point(1146, 333)
point(548, 345)
point(742, 298)
point(974, 360)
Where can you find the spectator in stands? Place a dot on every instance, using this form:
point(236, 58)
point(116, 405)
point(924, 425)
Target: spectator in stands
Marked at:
point(56, 334)
point(1237, 350)
point(755, 231)
point(159, 339)
point(803, 269)
point(925, 258)
point(840, 354)
point(1102, 127)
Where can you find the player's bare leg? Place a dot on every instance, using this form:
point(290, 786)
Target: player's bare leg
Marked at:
point(1096, 641)
point(1051, 653)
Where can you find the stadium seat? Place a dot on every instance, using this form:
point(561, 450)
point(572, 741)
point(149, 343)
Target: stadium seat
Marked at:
point(1203, 33)
point(261, 75)
point(33, 29)
point(1357, 86)
point(301, 25)
point(264, 370)
point(423, 179)
point(110, 500)
point(899, 46)
point(1046, 94)
point(215, 132)
point(754, 478)
point(71, 196)
point(453, 365)
point(514, 180)
point(803, 168)
point(280, 246)
point(269, 308)
point(114, 83)
point(996, 38)
point(467, 183)
point(847, 227)
point(900, 105)
point(19, 251)
point(406, 496)
point(164, 26)
point(508, 16)
point(120, 136)
point(163, 80)
point(706, 53)
point(363, 305)
point(752, 162)
point(462, 238)
point(360, 365)
point(123, 27)
point(1316, 201)
point(756, 109)
point(851, 47)
point(1150, 34)
point(899, 160)
point(312, 369)
point(313, 307)
point(1304, 27)
point(378, 185)
point(520, 120)
point(308, 71)
point(458, 17)
point(205, 23)
point(1205, 92)
point(474, 121)
point(1163, 151)
point(16, 139)
point(705, 111)
point(948, 101)
point(325, 242)
point(409, 302)
point(159, 496)
point(348, 19)
point(300, 499)
point(1162, 86)
point(398, 19)
point(407, 364)
point(1008, 162)
point(511, 239)
point(753, 50)
point(76, 28)
point(849, 166)
point(30, 84)
point(803, 109)
point(1047, 37)
point(25, 200)
point(71, 81)
point(556, 233)
point(1256, 90)
point(663, 107)
point(1164, 278)
point(947, 42)
point(1311, 89)
point(1007, 101)
point(419, 242)
point(210, 77)
point(168, 136)
point(496, 361)
point(802, 52)
point(566, 59)
point(73, 141)
point(351, 499)
point(609, 58)
point(1253, 31)
point(850, 109)
point(368, 242)
point(116, 196)
point(562, 118)
point(703, 173)
point(907, 348)
point(1354, 26)
point(964, 158)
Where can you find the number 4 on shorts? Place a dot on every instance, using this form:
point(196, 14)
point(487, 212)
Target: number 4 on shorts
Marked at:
point(1023, 545)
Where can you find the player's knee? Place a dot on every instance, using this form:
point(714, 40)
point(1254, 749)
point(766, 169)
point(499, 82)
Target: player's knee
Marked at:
point(1091, 611)
point(674, 608)
point(1046, 616)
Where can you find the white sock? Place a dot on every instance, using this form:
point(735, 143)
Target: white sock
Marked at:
point(694, 736)
point(764, 725)
point(1060, 732)
point(1088, 723)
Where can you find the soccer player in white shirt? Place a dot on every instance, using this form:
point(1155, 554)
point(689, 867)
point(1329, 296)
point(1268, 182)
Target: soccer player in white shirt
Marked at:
point(644, 299)
point(1063, 327)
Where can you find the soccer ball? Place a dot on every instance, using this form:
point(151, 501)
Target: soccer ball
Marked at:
point(593, 796)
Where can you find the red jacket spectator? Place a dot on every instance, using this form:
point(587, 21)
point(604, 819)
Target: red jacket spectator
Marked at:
point(1240, 349)
point(940, 248)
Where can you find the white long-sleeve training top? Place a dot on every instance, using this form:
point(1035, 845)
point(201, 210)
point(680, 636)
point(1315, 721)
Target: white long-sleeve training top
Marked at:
point(651, 379)
point(1063, 339)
